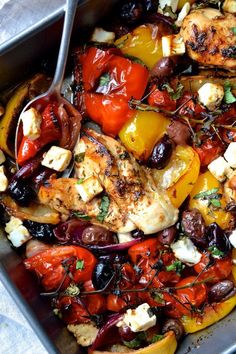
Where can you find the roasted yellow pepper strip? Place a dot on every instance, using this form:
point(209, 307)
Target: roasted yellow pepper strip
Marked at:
point(179, 176)
point(167, 345)
point(25, 92)
point(140, 134)
point(142, 44)
point(212, 314)
point(207, 182)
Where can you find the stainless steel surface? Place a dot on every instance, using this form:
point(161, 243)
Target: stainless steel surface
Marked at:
point(16, 56)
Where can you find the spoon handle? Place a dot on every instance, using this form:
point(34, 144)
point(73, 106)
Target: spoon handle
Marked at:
point(70, 10)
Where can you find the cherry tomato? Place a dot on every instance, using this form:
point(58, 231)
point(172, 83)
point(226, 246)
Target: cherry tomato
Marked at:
point(146, 249)
point(71, 310)
point(161, 99)
point(209, 151)
point(221, 268)
point(194, 294)
point(191, 108)
point(95, 303)
point(115, 303)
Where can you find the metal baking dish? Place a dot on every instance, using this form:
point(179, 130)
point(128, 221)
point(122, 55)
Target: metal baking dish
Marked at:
point(16, 58)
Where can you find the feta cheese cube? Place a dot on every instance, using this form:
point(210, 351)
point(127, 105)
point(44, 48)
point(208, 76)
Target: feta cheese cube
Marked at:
point(85, 333)
point(2, 157)
point(89, 188)
point(183, 13)
point(13, 224)
point(230, 154)
point(3, 180)
point(57, 158)
point(19, 236)
point(211, 95)
point(102, 36)
point(232, 238)
point(31, 120)
point(172, 44)
point(230, 6)
point(171, 3)
point(124, 237)
point(186, 251)
point(220, 169)
point(138, 319)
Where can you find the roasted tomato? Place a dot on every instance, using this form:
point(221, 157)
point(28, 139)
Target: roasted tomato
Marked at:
point(220, 268)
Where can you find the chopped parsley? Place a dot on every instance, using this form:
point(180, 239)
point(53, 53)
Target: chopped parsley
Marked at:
point(177, 266)
point(79, 264)
point(229, 96)
point(156, 338)
point(104, 79)
point(81, 215)
point(174, 94)
point(80, 180)
point(211, 196)
point(216, 252)
point(79, 157)
point(136, 342)
point(233, 29)
point(104, 207)
point(134, 59)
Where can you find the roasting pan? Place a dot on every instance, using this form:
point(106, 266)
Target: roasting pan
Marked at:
point(19, 56)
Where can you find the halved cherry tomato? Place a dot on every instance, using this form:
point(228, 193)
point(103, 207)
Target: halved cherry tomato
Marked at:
point(161, 99)
point(146, 249)
point(194, 294)
point(50, 132)
point(221, 268)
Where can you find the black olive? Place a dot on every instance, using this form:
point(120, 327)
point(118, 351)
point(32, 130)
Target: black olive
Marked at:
point(161, 153)
point(219, 291)
point(131, 11)
point(43, 232)
point(194, 227)
point(21, 192)
point(186, 67)
point(97, 235)
point(163, 68)
point(137, 233)
point(102, 274)
point(150, 5)
point(175, 325)
point(167, 236)
point(126, 334)
point(218, 242)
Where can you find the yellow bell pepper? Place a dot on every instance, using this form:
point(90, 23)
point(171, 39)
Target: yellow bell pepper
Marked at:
point(140, 134)
point(25, 92)
point(143, 44)
point(205, 182)
point(212, 314)
point(167, 345)
point(181, 3)
point(179, 176)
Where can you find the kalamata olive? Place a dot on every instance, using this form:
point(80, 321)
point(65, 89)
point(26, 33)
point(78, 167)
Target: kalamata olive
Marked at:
point(193, 226)
point(179, 132)
point(131, 11)
point(186, 66)
point(167, 236)
point(43, 232)
point(137, 233)
point(97, 235)
point(161, 153)
point(102, 274)
point(218, 242)
point(163, 68)
point(231, 207)
point(21, 192)
point(220, 290)
point(150, 5)
point(126, 333)
point(175, 325)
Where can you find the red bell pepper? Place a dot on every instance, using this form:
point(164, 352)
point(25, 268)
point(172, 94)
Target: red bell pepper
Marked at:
point(50, 131)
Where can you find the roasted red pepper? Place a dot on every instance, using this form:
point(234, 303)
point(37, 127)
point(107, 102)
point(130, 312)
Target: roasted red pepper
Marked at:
point(50, 131)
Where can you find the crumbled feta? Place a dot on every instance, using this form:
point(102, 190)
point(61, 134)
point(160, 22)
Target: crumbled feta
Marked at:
point(3, 180)
point(211, 95)
point(220, 169)
point(138, 319)
point(232, 238)
point(57, 158)
point(31, 120)
point(89, 188)
point(102, 36)
point(19, 236)
point(13, 224)
point(230, 6)
point(230, 154)
point(85, 333)
point(124, 237)
point(172, 44)
point(171, 3)
point(183, 13)
point(2, 157)
point(186, 251)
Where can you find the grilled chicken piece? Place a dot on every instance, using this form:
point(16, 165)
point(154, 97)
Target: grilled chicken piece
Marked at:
point(209, 37)
point(135, 201)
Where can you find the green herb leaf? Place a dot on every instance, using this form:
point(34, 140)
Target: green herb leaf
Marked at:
point(216, 252)
point(136, 342)
point(228, 97)
point(156, 338)
point(158, 297)
point(79, 264)
point(81, 215)
point(233, 29)
point(215, 202)
point(104, 79)
point(79, 157)
point(104, 207)
point(80, 180)
point(211, 196)
point(177, 266)
point(205, 194)
point(174, 94)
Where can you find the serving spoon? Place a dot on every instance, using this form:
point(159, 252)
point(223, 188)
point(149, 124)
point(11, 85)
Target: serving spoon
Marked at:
point(53, 94)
